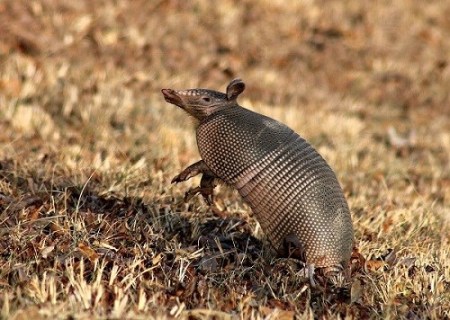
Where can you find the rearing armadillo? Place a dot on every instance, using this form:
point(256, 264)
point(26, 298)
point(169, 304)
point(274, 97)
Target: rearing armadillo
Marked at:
point(292, 191)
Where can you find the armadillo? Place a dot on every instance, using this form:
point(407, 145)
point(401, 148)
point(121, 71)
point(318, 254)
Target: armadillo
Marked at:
point(292, 191)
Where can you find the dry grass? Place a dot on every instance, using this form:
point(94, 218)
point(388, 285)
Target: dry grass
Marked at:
point(89, 223)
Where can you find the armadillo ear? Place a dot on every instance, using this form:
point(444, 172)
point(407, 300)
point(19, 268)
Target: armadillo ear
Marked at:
point(235, 88)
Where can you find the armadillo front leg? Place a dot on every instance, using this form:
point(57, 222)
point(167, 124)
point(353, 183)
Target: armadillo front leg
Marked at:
point(206, 189)
point(206, 183)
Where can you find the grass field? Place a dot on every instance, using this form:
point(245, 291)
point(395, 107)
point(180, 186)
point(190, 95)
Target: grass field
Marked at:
point(90, 226)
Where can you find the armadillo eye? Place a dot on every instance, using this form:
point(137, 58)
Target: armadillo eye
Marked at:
point(206, 99)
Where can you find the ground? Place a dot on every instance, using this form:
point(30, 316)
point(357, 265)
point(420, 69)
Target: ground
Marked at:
point(90, 225)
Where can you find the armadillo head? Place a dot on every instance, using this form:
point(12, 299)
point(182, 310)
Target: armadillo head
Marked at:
point(201, 103)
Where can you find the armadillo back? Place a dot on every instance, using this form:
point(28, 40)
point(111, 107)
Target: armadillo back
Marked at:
point(288, 185)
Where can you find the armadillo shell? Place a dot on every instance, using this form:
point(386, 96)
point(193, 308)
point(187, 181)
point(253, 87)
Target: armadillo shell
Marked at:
point(288, 185)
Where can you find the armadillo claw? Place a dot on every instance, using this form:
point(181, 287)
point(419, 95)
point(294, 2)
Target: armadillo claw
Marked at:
point(176, 179)
point(309, 272)
point(183, 176)
point(191, 171)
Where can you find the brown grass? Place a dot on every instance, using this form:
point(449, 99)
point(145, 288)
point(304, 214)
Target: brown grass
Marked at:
point(90, 226)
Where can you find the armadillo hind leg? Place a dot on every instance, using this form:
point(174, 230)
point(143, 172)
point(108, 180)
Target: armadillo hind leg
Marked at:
point(207, 183)
point(293, 248)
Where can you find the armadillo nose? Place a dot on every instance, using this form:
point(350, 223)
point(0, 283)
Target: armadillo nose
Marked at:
point(166, 92)
point(171, 96)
